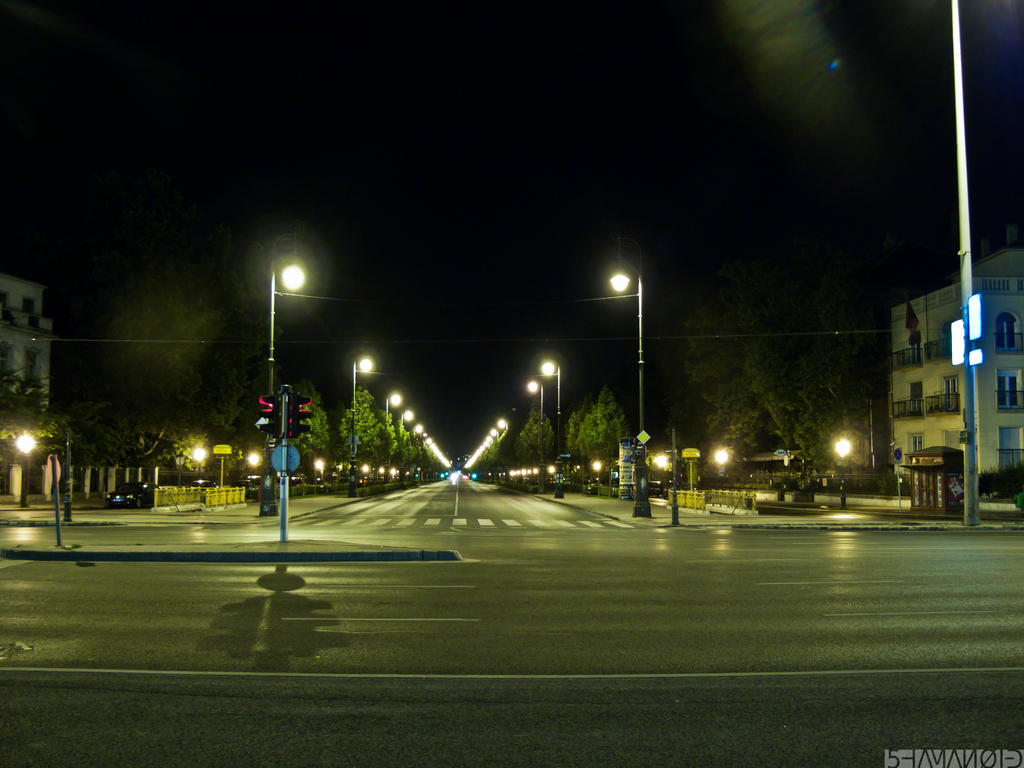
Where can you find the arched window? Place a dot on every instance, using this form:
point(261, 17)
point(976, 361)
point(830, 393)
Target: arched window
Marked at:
point(1007, 337)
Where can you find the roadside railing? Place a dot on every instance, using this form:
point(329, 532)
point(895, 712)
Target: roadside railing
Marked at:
point(690, 499)
point(219, 497)
point(167, 496)
point(745, 500)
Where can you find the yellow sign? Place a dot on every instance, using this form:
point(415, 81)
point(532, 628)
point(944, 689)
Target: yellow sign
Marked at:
point(222, 450)
point(691, 453)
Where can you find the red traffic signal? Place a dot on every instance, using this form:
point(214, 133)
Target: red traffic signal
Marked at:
point(298, 412)
point(270, 414)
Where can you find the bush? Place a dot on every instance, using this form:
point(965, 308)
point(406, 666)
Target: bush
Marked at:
point(1004, 484)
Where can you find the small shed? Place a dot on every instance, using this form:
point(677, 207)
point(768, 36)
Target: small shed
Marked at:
point(936, 478)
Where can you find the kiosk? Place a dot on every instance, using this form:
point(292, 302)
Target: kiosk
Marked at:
point(936, 478)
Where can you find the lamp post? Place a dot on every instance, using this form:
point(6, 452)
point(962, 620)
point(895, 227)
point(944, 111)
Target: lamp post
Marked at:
point(620, 281)
point(365, 365)
point(533, 387)
point(596, 466)
point(293, 278)
point(26, 444)
point(842, 451)
point(966, 283)
point(550, 369)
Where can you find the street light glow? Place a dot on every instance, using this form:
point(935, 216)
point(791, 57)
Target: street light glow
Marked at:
point(502, 424)
point(25, 443)
point(293, 277)
point(548, 369)
point(199, 454)
point(366, 365)
point(418, 429)
point(407, 416)
point(620, 282)
point(596, 466)
point(253, 459)
point(721, 456)
point(396, 399)
point(533, 386)
point(319, 465)
point(843, 448)
point(661, 461)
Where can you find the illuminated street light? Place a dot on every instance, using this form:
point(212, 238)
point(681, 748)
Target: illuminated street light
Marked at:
point(365, 365)
point(550, 369)
point(318, 465)
point(620, 282)
point(408, 416)
point(842, 451)
point(721, 456)
point(26, 444)
point(418, 429)
point(661, 461)
point(502, 424)
point(199, 454)
point(533, 388)
point(253, 459)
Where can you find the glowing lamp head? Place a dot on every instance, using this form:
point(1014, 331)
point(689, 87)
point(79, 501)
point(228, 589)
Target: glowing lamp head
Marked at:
point(253, 459)
point(548, 369)
point(493, 433)
point(533, 386)
point(319, 465)
point(199, 454)
point(407, 416)
point(366, 365)
point(596, 466)
point(396, 399)
point(843, 448)
point(502, 424)
point(25, 443)
point(721, 456)
point(620, 282)
point(365, 468)
point(293, 277)
point(661, 461)
point(418, 429)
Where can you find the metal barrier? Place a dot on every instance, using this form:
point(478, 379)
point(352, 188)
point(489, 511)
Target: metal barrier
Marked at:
point(746, 500)
point(166, 496)
point(690, 499)
point(219, 497)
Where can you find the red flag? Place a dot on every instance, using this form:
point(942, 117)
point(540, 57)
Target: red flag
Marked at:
point(912, 325)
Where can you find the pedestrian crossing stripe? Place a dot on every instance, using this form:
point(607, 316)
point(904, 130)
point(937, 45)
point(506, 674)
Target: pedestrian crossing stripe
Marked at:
point(461, 522)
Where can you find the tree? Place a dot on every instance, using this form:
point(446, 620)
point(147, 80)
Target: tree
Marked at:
point(374, 440)
point(798, 361)
point(535, 438)
point(316, 443)
point(601, 427)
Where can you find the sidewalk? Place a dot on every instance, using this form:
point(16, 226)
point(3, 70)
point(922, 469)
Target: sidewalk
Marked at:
point(805, 516)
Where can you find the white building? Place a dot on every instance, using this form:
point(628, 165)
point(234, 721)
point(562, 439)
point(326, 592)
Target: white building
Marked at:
point(25, 334)
point(927, 407)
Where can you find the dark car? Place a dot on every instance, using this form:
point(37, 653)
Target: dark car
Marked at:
point(657, 489)
point(134, 495)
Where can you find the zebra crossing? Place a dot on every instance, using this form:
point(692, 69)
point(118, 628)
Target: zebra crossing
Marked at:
point(457, 523)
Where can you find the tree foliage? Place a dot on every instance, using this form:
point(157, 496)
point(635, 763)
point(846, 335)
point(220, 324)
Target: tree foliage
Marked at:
point(535, 439)
point(596, 426)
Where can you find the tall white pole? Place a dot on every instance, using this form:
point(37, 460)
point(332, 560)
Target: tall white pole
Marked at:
point(966, 285)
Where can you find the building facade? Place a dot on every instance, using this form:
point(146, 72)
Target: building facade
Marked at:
point(25, 334)
point(926, 391)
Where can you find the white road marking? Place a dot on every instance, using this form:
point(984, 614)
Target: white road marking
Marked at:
point(618, 524)
point(483, 521)
point(564, 523)
point(590, 523)
point(381, 521)
point(796, 583)
point(433, 521)
point(905, 613)
point(348, 618)
point(540, 523)
point(513, 523)
point(459, 521)
point(404, 522)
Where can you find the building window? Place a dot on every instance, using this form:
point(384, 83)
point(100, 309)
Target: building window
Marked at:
point(1007, 337)
point(1009, 447)
point(916, 443)
point(1008, 393)
point(28, 305)
point(31, 363)
point(5, 358)
point(3, 298)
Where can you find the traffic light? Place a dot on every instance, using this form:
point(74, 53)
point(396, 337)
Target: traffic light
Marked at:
point(298, 412)
point(270, 413)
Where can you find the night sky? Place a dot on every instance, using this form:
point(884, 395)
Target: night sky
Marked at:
point(459, 174)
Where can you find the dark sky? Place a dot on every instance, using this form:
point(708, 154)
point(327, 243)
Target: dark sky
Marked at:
point(464, 170)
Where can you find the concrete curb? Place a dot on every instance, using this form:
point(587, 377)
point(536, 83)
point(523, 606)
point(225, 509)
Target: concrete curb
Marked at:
point(151, 556)
point(51, 523)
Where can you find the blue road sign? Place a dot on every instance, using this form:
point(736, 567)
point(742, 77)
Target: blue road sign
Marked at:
point(277, 458)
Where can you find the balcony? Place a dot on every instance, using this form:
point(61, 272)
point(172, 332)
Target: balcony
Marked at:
point(1009, 399)
point(946, 402)
point(911, 408)
point(906, 358)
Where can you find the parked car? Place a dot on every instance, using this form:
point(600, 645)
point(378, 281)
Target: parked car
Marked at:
point(657, 489)
point(134, 495)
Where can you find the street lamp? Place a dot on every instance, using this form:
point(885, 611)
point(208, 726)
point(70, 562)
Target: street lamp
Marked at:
point(550, 369)
point(533, 388)
point(596, 466)
point(842, 451)
point(620, 282)
point(966, 282)
point(26, 444)
point(365, 365)
point(293, 278)
point(318, 465)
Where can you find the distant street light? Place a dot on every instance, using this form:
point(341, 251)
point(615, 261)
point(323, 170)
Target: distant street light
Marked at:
point(318, 465)
point(365, 365)
point(534, 387)
point(502, 424)
point(26, 444)
point(620, 282)
point(253, 459)
point(842, 451)
point(550, 369)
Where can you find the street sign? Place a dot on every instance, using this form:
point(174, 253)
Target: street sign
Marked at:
point(222, 450)
point(643, 437)
point(278, 460)
point(262, 421)
point(691, 453)
point(897, 454)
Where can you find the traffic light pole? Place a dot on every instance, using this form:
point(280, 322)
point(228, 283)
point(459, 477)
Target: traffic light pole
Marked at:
point(285, 396)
